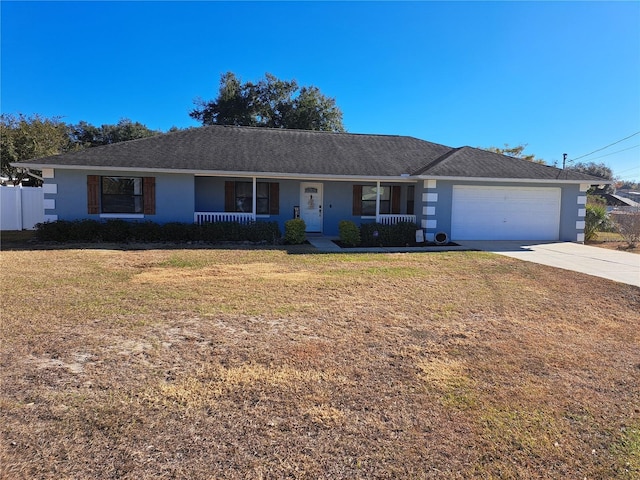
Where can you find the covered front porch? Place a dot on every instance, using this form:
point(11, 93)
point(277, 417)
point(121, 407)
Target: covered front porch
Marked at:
point(239, 217)
point(322, 204)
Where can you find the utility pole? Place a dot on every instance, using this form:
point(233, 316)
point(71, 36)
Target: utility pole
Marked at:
point(564, 160)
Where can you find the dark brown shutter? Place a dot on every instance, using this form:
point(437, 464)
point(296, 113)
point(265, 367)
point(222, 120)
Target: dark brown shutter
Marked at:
point(274, 198)
point(93, 194)
point(229, 196)
point(357, 200)
point(411, 193)
point(395, 199)
point(149, 195)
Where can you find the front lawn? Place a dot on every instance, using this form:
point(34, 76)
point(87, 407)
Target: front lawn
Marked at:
point(221, 363)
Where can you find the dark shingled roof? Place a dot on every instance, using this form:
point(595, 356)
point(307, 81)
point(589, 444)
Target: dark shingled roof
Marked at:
point(478, 163)
point(262, 150)
point(301, 152)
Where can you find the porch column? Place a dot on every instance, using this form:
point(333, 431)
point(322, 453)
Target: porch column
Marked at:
point(254, 200)
point(378, 201)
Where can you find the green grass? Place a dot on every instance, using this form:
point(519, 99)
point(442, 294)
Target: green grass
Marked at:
point(627, 450)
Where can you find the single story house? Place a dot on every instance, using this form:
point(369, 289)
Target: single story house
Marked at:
point(222, 173)
point(616, 202)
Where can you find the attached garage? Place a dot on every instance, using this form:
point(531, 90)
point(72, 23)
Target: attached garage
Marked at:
point(505, 213)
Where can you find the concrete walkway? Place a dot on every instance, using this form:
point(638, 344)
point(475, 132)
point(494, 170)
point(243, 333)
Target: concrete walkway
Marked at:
point(601, 262)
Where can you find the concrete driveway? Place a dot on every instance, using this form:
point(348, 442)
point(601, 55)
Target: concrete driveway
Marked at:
point(601, 262)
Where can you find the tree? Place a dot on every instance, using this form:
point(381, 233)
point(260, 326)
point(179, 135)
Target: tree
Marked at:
point(516, 152)
point(628, 225)
point(597, 170)
point(272, 103)
point(314, 111)
point(86, 135)
point(628, 185)
point(25, 137)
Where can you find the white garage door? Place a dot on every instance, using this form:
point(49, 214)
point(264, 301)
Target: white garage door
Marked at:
point(505, 213)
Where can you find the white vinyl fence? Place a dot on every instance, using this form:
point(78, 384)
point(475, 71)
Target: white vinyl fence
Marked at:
point(21, 207)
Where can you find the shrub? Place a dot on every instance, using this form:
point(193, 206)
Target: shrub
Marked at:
point(379, 235)
point(404, 233)
point(370, 234)
point(595, 217)
point(117, 231)
point(85, 231)
point(212, 232)
point(52, 231)
point(262, 232)
point(257, 232)
point(349, 233)
point(121, 231)
point(69, 231)
point(145, 231)
point(294, 231)
point(192, 232)
point(628, 225)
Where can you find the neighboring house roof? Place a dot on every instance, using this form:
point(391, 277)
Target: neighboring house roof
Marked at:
point(251, 150)
point(618, 200)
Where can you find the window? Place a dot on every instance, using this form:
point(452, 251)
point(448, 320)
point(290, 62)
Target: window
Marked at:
point(364, 200)
point(369, 193)
point(121, 195)
point(244, 197)
point(239, 197)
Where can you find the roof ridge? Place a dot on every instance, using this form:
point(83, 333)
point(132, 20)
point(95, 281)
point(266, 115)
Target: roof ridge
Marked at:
point(438, 160)
point(558, 171)
point(301, 130)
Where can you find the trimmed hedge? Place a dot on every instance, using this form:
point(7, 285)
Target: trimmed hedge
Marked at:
point(294, 231)
point(378, 235)
point(121, 231)
point(349, 233)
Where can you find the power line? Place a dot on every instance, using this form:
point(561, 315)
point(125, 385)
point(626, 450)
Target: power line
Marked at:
point(628, 177)
point(613, 153)
point(600, 149)
point(629, 169)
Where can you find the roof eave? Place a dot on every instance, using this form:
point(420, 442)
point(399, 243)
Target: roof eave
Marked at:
point(515, 180)
point(309, 176)
point(221, 173)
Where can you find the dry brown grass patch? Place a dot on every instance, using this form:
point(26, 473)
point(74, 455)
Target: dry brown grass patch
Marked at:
point(259, 364)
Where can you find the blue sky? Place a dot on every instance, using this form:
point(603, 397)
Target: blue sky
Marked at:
point(561, 77)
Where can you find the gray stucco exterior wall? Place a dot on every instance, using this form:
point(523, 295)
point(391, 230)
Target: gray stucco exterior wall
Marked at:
point(178, 196)
point(174, 195)
point(436, 204)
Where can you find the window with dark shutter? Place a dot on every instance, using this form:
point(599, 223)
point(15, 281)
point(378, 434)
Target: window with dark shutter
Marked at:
point(395, 199)
point(238, 197)
point(121, 195)
point(93, 194)
point(365, 198)
point(357, 200)
point(149, 195)
point(229, 196)
point(274, 198)
point(411, 192)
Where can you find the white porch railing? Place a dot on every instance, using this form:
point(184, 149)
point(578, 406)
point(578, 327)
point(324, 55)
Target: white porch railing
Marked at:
point(213, 217)
point(392, 219)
